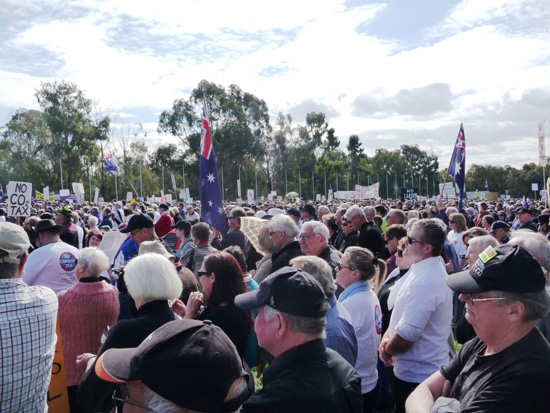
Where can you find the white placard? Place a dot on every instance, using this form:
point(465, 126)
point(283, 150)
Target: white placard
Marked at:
point(46, 192)
point(129, 196)
point(534, 187)
point(78, 190)
point(270, 197)
point(318, 197)
point(96, 194)
point(111, 243)
point(19, 200)
point(173, 181)
point(168, 198)
point(250, 196)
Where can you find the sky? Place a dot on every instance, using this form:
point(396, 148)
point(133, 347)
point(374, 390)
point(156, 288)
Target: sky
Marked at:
point(393, 73)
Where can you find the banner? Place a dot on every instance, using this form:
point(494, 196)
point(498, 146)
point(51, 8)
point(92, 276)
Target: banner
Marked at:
point(250, 196)
point(367, 192)
point(173, 181)
point(46, 192)
point(19, 199)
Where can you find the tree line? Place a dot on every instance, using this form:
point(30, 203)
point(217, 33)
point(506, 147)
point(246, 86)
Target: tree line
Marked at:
point(67, 139)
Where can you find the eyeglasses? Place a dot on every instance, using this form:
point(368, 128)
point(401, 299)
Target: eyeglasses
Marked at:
point(345, 224)
point(452, 222)
point(340, 266)
point(273, 232)
point(411, 240)
point(399, 252)
point(201, 273)
point(306, 237)
point(134, 232)
point(119, 402)
point(471, 300)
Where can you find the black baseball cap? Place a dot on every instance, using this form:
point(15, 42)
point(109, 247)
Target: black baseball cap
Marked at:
point(499, 225)
point(191, 363)
point(504, 268)
point(182, 224)
point(523, 210)
point(289, 290)
point(138, 221)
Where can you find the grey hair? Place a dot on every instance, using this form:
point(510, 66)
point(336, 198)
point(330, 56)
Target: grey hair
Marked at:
point(413, 214)
point(433, 233)
point(353, 211)
point(482, 242)
point(318, 228)
point(92, 221)
point(314, 326)
point(319, 269)
point(93, 260)
point(398, 214)
point(324, 209)
point(284, 224)
point(152, 277)
point(536, 303)
point(536, 244)
point(369, 210)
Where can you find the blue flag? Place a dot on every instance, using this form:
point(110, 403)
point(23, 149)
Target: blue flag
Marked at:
point(111, 164)
point(211, 199)
point(457, 167)
point(486, 185)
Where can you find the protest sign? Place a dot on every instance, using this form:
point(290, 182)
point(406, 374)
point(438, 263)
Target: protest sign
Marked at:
point(78, 190)
point(129, 196)
point(96, 194)
point(250, 196)
point(46, 192)
point(408, 194)
point(19, 199)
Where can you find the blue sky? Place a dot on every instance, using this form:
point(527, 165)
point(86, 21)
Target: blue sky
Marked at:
point(402, 72)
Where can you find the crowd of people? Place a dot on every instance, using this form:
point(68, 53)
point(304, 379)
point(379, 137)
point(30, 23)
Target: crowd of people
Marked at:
point(339, 306)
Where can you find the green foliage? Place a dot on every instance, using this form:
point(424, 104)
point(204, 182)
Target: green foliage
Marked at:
point(282, 158)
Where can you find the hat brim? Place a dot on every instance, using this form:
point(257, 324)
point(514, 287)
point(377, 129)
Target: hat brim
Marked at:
point(463, 282)
point(115, 365)
point(250, 300)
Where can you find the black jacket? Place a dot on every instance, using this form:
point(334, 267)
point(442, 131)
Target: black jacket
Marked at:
point(308, 378)
point(282, 257)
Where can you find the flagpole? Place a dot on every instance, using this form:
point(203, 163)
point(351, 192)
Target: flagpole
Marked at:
point(299, 183)
point(61, 172)
point(313, 185)
point(140, 182)
point(116, 186)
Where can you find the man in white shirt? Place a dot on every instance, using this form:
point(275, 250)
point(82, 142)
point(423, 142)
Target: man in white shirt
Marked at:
point(416, 340)
point(53, 264)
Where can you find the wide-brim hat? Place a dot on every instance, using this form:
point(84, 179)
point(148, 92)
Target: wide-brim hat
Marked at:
point(48, 224)
point(14, 242)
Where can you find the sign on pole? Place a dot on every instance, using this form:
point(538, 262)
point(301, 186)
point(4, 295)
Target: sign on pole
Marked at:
point(46, 192)
point(173, 181)
point(19, 199)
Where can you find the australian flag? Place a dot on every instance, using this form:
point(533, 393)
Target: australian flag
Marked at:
point(457, 167)
point(211, 199)
point(111, 164)
point(1, 193)
point(486, 185)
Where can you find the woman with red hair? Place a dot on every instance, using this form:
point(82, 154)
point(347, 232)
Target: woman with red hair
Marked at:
point(221, 279)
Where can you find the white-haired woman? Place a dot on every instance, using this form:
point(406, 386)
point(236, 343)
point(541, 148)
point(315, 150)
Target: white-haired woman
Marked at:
point(85, 310)
point(152, 280)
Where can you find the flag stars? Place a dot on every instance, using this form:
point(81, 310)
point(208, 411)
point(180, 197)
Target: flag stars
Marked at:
point(211, 178)
point(210, 203)
point(220, 210)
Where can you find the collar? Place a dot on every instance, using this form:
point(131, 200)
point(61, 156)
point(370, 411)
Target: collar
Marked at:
point(356, 287)
point(88, 280)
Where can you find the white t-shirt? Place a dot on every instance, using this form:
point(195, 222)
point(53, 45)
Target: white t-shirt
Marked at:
point(366, 317)
point(459, 246)
point(422, 314)
point(53, 265)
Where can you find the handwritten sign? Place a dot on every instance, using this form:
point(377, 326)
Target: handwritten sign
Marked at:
point(19, 199)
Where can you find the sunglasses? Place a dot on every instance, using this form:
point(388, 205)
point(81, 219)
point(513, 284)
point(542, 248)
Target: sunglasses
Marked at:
point(340, 266)
point(345, 224)
point(452, 222)
point(201, 273)
point(399, 252)
point(411, 240)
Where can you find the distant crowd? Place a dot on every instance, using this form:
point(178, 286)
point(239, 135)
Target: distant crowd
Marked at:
point(338, 306)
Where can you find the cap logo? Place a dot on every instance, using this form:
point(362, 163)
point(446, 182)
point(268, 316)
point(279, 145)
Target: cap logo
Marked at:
point(271, 302)
point(488, 254)
point(477, 269)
